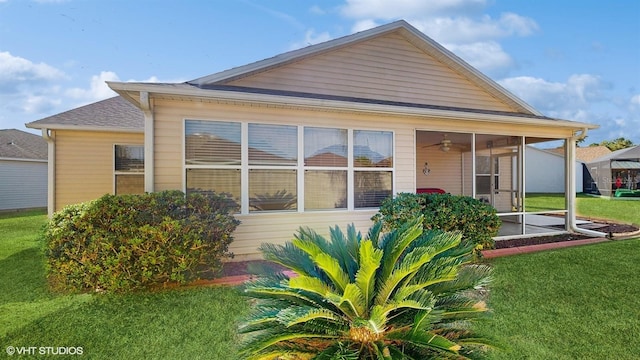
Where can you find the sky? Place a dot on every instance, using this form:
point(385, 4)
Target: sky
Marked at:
point(572, 60)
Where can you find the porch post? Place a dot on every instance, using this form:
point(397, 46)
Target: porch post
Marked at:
point(145, 103)
point(570, 182)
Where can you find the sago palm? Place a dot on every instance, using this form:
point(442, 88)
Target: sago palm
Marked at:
point(404, 294)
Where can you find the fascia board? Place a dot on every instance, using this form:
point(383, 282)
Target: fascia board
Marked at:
point(326, 104)
point(84, 128)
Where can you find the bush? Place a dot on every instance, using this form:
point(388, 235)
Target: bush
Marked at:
point(406, 294)
point(477, 221)
point(128, 242)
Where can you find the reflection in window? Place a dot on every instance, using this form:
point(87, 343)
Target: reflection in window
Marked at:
point(212, 142)
point(129, 169)
point(218, 180)
point(273, 190)
point(273, 144)
point(372, 148)
point(325, 147)
point(371, 187)
point(325, 189)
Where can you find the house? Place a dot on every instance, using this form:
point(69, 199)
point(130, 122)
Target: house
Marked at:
point(23, 170)
point(585, 154)
point(617, 170)
point(332, 128)
point(545, 171)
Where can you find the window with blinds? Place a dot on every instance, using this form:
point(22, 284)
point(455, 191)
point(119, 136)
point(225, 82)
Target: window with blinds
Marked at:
point(128, 169)
point(268, 167)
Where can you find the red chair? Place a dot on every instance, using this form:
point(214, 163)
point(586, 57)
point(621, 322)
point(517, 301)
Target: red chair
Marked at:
point(430, 191)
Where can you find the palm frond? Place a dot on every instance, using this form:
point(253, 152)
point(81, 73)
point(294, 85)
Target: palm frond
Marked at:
point(468, 277)
point(370, 259)
point(374, 233)
point(325, 262)
point(302, 314)
point(345, 249)
point(395, 249)
point(290, 257)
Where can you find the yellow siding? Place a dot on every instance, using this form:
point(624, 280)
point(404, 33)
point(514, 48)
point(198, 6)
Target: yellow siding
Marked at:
point(384, 68)
point(275, 228)
point(271, 227)
point(84, 164)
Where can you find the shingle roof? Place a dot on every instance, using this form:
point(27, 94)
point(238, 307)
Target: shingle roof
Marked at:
point(17, 144)
point(113, 113)
point(586, 154)
point(622, 154)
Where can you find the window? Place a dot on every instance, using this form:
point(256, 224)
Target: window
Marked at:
point(483, 174)
point(326, 166)
point(213, 157)
point(129, 169)
point(273, 160)
point(373, 166)
point(268, 167)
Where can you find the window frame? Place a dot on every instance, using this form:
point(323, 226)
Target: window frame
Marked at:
point(117, 173)
point(300, 167)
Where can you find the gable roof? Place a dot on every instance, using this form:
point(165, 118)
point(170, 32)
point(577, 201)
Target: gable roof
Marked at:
point(401, 27)
point(113, 114)
point(17, 144)
point(622, 154)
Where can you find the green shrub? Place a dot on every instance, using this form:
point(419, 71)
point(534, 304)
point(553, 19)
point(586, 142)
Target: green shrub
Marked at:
point(128, 242)
point(406, 294)
point(477, 221)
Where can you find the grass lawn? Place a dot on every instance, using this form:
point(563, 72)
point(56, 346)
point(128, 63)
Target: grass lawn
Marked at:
point(178, 324)
point(574, 303)
point(622, 210)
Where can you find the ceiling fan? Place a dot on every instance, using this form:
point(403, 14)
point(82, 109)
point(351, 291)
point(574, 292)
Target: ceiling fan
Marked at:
point(445, 144)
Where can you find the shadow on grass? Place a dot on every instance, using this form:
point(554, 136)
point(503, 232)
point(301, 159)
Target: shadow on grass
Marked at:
point(22, 277)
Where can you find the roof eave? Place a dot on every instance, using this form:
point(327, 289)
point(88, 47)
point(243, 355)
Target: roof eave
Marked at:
point(126, 90)
point(83, 128)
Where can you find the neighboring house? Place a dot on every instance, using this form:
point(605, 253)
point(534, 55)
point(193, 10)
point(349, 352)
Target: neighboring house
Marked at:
point(23, 170)
point(586, 154)
point(545, 172)
point(330, 129)
point(618, 170)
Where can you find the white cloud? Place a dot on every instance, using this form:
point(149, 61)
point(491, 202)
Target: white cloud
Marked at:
point(311, 38)
point(97, 90)
point(578, 92)
point(486, 56)
point(317, 10)
point(362, 25)
point(387, 10)
point(19, 73)
point(462, 29)
point(634, 103)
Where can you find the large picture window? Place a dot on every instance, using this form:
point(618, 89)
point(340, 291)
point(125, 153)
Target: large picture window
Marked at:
point(268, 167)
point(129, 169)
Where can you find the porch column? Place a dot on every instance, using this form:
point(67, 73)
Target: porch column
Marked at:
point(145, 103)
point(570, 182)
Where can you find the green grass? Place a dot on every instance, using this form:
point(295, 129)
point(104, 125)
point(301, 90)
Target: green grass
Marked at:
point(622, 210)
point(177, 324)
point(577, 303)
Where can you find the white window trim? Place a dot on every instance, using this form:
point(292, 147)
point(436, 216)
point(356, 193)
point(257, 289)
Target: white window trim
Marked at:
point(113, 165)
point(299, 167)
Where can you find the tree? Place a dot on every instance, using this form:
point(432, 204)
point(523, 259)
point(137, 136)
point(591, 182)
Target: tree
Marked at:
point(617, 144)
point(406, 294)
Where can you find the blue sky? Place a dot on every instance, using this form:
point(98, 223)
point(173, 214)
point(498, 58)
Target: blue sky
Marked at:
point(570, 60)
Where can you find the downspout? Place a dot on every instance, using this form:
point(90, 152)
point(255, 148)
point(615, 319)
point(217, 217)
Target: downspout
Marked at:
point(570, 171)
point(145, 104)
point(51, 170)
